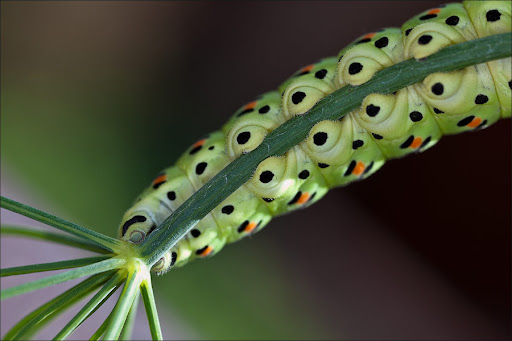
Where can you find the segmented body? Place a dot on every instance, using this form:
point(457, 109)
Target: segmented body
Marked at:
point(336, 152)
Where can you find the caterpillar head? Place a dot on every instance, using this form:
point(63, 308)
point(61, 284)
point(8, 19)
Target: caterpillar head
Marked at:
point(136, 226)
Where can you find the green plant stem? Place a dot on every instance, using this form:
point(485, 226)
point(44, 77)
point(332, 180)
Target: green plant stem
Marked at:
point(66, 264)
point(123, 306)
point(148, 298)
point(39, 317)
point(87, 270)
point(126, 333)
point(108, 289)
point(50, 237)
point(295, 130)
point(98, 239)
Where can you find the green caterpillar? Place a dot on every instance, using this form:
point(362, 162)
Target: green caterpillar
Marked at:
point(336, 152)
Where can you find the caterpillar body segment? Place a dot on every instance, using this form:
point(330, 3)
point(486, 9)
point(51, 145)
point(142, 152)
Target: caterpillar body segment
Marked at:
point(336, 152)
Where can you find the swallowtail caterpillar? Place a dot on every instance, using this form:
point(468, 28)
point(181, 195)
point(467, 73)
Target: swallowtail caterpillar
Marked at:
point(336, 152)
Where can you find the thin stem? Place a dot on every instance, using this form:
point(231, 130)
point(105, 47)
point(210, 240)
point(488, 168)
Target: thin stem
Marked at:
point(149, 303)
point(295, 130)
point(126, 333)
point(87, 270)
point(51, 237)
point(108, 289)
point(122, 308)
point(66, 264)
point(98, 239)
point(39, 317)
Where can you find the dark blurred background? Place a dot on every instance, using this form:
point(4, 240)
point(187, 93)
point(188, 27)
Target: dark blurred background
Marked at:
point(97, 97)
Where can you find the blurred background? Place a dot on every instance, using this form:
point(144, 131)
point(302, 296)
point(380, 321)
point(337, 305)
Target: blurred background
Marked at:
point(98, 97)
